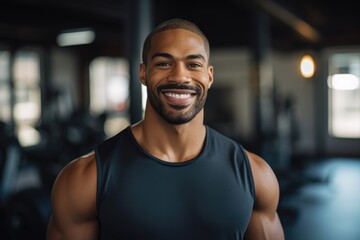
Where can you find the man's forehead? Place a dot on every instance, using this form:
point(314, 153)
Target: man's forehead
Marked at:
point(178, 40)
point(176, 33)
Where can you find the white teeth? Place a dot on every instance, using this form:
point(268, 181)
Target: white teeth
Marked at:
point(176, 95)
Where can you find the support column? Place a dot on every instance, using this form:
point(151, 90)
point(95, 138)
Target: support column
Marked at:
point(139, 24)
point(263, 83)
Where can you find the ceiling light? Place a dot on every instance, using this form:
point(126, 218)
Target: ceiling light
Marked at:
point(75, 37)
point(345, 81)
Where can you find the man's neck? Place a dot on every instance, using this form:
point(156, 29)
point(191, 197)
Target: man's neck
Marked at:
point(171, 142)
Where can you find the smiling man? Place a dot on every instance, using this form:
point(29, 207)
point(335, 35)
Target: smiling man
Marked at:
point(169, 176)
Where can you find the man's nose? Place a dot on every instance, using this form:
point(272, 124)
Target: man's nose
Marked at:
point(179, 74)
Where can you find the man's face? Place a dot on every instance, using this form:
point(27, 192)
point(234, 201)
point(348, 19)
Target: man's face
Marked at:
point(177, 75)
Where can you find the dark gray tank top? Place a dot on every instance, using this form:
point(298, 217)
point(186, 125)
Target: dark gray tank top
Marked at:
point(141, 197)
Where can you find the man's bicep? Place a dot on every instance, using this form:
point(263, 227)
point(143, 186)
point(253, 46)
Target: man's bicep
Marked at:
point(73, 203)
point(62, 217)
point(265, 222)
point(65, 230)
point(53, 233)
point(262, 226)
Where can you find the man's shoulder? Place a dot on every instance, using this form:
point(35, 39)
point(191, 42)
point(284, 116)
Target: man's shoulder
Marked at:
point(76, 176)
point(79, 165)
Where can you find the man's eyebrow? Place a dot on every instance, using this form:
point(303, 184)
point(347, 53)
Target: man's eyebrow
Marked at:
point(167, 55)
point(160, 54)
point(196, 56)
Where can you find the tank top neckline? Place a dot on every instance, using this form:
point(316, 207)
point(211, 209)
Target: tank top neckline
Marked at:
point(172, 164)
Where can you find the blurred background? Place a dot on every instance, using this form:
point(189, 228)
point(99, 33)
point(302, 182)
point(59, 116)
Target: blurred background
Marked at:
point(286, 86)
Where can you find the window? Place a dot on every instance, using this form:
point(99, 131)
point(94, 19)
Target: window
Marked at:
point(20, 97)
point(109, 92)
point(27, 99)
point(344, 95)
point(5, 97)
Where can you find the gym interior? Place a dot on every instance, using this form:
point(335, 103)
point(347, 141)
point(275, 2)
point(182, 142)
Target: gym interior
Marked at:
point(286, 87)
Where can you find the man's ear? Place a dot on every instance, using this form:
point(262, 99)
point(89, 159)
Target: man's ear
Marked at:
point(211, 76)
point(142, 73)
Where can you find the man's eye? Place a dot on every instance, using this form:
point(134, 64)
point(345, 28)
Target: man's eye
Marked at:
point(162, 64)
point(194, 65)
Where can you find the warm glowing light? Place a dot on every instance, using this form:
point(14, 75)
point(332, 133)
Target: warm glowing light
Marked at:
point(307, 66)
point(343, 81)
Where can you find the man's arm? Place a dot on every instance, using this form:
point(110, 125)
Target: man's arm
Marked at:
point(73, 201)
point(264, 223)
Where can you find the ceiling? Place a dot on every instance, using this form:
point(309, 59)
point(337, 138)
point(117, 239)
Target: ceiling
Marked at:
point(284, 25)
point(291, 24)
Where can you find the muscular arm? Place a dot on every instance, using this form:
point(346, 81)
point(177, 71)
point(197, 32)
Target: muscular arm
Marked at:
point(264, 223)
point(74, 202)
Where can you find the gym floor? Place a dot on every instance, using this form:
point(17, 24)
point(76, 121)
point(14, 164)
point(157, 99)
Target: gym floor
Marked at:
point(326, 206)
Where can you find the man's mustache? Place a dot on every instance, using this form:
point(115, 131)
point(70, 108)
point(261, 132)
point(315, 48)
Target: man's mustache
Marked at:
point(170, 86)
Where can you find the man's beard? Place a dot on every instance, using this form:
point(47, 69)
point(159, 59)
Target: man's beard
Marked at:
point(177, 117)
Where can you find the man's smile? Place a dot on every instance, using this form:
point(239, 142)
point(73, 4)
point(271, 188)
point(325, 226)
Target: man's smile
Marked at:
point(179, 97)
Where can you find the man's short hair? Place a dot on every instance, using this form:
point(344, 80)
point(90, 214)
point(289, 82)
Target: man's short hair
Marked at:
point(175, 23)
